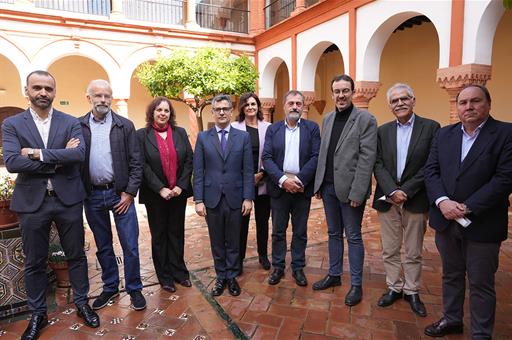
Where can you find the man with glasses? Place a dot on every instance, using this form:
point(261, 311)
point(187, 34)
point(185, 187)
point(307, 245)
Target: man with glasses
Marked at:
point(400, 197)
point(223, 190)
point(343, 177)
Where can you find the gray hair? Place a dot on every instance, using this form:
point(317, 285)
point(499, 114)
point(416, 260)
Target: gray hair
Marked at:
point(95, 82)
point(409, 90)
point(220, 98)
point(293, 93)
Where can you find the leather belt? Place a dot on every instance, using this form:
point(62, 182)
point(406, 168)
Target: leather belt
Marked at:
point(106, 186)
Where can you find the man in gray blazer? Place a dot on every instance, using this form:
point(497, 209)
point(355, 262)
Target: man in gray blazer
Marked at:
point(343, 177)
point(400, 197)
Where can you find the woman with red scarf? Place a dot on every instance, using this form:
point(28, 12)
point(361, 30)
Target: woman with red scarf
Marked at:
point(164, 190)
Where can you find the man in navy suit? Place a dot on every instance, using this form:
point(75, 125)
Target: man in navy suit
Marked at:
point(290, 157)
point(468, 177)
point(45, 147)
point(223, 190)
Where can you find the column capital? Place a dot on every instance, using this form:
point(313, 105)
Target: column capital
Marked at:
point(267, 108)
point(453, 79)
point(121, 106)
point(364, 92)
point(309, 98)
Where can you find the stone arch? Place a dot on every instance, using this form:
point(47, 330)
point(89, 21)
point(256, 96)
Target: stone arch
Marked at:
point(17, 57)
point(479, 35)
point(376, 22)
point(268, 77)
point(307, 79)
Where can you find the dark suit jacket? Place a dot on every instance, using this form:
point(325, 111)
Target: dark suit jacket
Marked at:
point(483, 181)
point(274, 151)
point(412, 180)
point(126, 154)
point(214, 175)
point(60, 165)
point(154, 179)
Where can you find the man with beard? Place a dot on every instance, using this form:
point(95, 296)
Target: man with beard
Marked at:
point(289, 157)
point(112, 174)
point(343, 177)
point(45, 147)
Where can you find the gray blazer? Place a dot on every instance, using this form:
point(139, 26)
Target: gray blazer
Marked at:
point(354, 156)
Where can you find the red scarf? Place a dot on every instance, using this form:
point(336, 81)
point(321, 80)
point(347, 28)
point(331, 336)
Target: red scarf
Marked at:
point(168, 154)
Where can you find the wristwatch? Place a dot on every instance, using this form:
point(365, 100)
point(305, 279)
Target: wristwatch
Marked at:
point(30, 153)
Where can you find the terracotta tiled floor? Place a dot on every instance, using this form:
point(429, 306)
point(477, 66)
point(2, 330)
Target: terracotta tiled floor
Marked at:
point(285, 311)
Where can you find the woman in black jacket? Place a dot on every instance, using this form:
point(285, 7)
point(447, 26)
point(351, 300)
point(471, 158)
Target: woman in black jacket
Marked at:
point(164, 190)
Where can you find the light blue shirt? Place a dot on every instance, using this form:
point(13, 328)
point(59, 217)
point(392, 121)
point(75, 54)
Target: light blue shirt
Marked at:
point(227, 128)
point(101, 166)
point(291, 163)
point(468, 140)
point(403, 138)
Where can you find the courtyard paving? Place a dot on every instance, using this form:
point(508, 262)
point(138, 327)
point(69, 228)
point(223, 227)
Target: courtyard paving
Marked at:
point(285, 311)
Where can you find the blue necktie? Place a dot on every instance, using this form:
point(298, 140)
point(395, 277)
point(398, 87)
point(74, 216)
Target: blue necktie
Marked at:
point(223, 142)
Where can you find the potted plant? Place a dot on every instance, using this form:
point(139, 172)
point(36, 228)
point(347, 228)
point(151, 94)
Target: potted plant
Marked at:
point(58, 262)
point(8, 219)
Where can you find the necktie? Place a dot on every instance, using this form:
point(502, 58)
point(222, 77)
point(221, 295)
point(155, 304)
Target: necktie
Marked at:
point(223, 142)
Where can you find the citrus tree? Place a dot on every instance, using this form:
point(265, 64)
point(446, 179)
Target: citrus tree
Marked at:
point(194, 77)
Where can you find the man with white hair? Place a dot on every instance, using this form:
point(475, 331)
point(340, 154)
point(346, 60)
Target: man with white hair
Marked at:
point(400, 197)
point(112, 174)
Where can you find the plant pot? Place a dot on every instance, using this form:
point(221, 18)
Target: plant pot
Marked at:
point(62, 273)
point(8, 219)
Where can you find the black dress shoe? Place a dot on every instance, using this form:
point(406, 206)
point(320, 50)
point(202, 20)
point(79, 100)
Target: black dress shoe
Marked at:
point(276, 276)
point(300, 278)
point(90, 317)
point(186, 283)
point(233, 287)
point(326, 282)
point(416, 305)
point(265, 263)
point(171, 288)
point(218, 288)
point(36, 323)
point(389, 297)
point(354, 296)
point(441, 328)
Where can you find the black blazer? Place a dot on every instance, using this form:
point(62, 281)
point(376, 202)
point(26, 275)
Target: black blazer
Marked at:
point(483, 181)
point(412, 180)
point(154, 178)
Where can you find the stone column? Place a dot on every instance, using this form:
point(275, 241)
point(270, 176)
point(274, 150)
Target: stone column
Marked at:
point(453, 79)
point(192, 121)
point(300, 6)
point(117, 9)
point(309, 98)
point(364, 92)
point(190, 20)
point(121, 106)
point(267, 108)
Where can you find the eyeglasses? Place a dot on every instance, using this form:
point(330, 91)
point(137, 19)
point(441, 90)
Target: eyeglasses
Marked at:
point(405, 100)
point(219, 109)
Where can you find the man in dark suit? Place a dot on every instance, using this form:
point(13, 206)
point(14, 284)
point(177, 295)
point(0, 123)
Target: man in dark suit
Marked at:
point(342, 180)
point(223, 190)
point(468, 177)
point(45, 147)
point(400, 197)
point(289, 157)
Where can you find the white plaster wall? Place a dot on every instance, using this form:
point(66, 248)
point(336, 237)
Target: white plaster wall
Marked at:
point(312, 43)
point(480, 21)
point(269, 60)
point(377, 20)
point(17, 57)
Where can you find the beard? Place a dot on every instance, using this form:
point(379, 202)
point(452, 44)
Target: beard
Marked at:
point(293, 115)
point(41, 102)
point(102, 109)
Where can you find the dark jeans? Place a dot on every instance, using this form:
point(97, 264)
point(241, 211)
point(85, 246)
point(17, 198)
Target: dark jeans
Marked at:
point(342, 217)
point(224, 230)
point(296, 205)
point(261, 215)
point(167, 225)
point(97, 207)
point(35, 229)
point(480, 261)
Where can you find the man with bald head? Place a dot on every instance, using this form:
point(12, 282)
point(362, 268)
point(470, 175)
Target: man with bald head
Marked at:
point(468, 177)
point(45, 147)
point(112, 173)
